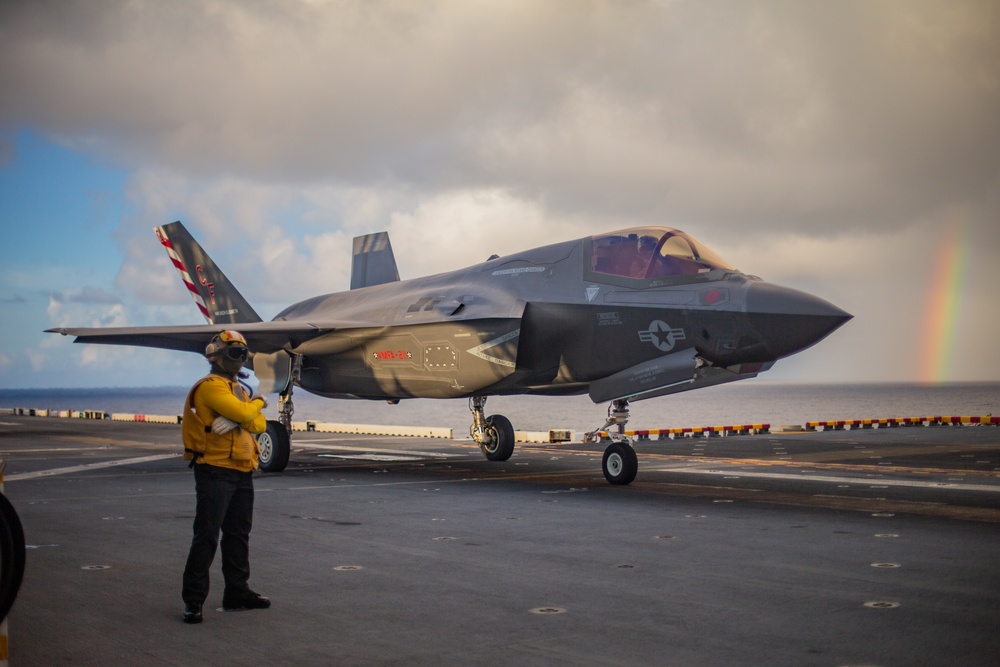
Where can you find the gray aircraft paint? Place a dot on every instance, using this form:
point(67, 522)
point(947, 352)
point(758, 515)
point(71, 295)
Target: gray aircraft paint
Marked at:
point(540, 321)
point(623, 316)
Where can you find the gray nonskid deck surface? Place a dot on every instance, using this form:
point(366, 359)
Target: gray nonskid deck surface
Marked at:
point(392, 551)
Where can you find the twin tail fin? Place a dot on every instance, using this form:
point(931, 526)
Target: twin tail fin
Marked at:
point(217, 299)
point(372, 262)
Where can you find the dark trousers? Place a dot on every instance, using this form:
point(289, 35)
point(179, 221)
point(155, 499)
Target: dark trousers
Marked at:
point(225, 502)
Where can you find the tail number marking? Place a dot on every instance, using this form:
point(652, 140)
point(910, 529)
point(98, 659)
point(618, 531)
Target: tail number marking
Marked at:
point(204, 281)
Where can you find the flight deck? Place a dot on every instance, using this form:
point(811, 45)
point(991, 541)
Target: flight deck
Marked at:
point(874, 547)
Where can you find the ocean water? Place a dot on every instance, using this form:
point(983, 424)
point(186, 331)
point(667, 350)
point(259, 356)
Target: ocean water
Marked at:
point(751, 401)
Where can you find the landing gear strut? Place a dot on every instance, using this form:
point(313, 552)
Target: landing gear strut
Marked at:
point(275, 443)
point(620, 464)
point(494, 434)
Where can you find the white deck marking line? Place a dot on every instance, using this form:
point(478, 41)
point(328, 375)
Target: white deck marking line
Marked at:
point(307, 444)
point(857, 481)
point(383, 458)
point(53, 449)
point(87, 466)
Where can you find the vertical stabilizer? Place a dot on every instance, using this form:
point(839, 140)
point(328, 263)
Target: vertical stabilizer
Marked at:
point(212, 292)
point(373, 262)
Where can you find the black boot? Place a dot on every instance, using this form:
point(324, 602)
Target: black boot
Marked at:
point(248, 600)
point(192, 613)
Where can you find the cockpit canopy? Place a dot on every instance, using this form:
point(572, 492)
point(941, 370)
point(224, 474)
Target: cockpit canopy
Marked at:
point(652, 252)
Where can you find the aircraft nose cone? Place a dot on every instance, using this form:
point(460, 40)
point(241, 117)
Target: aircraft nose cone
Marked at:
point(788, 320)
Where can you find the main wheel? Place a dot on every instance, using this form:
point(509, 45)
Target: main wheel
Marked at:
point(501, 435)
point(620, 464)
point(275, 445)
point(12, 555)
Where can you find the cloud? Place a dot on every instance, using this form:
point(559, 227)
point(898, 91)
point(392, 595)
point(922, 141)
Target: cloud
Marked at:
point(781, 115)
point(243, 225)
point(457, 229)
point(74, 313)
point(90, 295)
point(829, 146)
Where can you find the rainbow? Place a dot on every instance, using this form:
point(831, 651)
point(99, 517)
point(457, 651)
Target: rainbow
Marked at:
point(947, 278)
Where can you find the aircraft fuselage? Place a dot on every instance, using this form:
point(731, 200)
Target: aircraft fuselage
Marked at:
point(541, 322)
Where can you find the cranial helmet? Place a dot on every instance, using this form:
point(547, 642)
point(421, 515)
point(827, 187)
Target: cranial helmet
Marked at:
point(647, 244)
point(223, 340)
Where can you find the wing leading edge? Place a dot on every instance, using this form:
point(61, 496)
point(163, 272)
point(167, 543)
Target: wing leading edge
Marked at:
point(264, 337)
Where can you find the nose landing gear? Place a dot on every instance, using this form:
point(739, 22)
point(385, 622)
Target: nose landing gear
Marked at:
point(620, 464)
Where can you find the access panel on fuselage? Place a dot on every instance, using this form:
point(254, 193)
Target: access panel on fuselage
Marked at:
point(439, 360)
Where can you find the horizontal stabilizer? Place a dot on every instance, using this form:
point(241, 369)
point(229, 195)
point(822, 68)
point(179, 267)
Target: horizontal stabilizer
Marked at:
point(373, 262)
point(646, 379)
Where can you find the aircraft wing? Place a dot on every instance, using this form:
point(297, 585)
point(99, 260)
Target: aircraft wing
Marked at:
point(264, 337)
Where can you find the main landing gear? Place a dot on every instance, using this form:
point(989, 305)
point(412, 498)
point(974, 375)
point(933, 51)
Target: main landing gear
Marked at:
point(495, 437)
point(620, 464)
point(494, 434)
point(275, 443)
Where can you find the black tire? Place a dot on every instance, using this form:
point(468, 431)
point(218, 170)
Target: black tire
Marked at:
point(12, 555)
point(501, 434)
point(275, 446)
point(620, 464)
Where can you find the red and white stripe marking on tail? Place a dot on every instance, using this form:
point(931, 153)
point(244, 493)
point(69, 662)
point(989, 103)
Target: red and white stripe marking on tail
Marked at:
point(185, 276)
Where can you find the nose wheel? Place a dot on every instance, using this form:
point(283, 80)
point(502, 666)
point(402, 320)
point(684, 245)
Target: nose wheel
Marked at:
point(620, 463)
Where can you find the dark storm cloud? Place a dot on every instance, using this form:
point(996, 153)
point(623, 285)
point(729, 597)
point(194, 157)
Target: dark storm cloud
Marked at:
point(783, 115)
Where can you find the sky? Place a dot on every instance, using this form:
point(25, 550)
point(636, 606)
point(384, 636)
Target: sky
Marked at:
point(849, 149)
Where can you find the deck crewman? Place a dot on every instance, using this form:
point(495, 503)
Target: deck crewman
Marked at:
point(218, 423)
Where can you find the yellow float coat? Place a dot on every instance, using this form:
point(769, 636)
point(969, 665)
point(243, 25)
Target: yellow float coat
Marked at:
point(210, 397)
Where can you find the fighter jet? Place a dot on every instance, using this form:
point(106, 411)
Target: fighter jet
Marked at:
point(624, 316)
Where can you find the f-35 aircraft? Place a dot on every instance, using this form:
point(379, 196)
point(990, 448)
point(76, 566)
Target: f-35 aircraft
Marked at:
point(623, 316)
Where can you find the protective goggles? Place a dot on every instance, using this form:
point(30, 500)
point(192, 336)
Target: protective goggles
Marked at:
point(235, 353)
